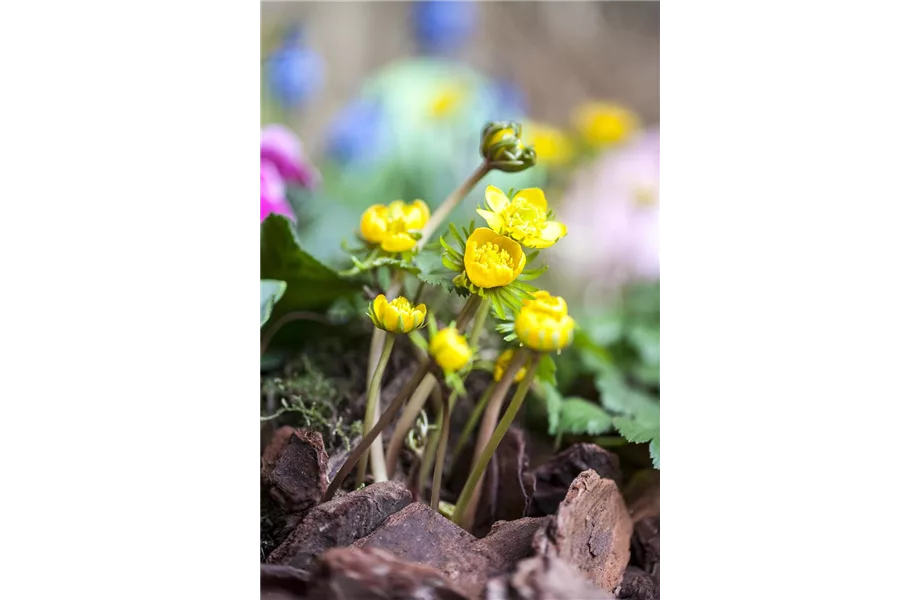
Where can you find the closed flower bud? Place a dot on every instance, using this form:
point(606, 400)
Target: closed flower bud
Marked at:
point(501, 365)
point(497, 136)
point(450, 349)
point(396, 316)
point(492, 260)
point(544, 323)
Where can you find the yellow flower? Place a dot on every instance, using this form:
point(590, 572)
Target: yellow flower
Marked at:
point(492, 260)
point(552, 145)
point(397, 316)
point(544, 323)
point(501, 365)
point(390, 225)
point(450, 349)
point(523, 218)
point(603, 124)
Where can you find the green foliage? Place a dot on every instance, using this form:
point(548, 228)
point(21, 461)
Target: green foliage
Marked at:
point(272, 291)
point(546, 370)
point(311, 285)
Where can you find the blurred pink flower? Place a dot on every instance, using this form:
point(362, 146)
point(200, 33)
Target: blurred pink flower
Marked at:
point(611, 210)
point(273, 198)
point(282, 148)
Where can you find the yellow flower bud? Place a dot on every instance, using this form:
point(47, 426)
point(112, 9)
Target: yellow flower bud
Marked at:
point(397, 316)
point(522, 218)
point(501, 145)
point(390, 226)
point(492, 260)
point(603, 124)
point(544, 323)
point(501, 365)
point(450, 349)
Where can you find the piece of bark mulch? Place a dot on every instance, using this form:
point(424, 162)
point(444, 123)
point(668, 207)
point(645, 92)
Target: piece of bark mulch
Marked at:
point(507, 484)
point(553, 478)
point(283, 583)
point(591, 530)
point(375, 574)
point(544, 578)
point(637, 585)
point(419, 534)
point(340, 522)
point(643, 494)
point(510, 542)
point(645, 547)
point(298, 480)
point(279, 439)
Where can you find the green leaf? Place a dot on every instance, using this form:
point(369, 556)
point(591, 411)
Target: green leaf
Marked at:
point(641, 431)
point(272, 291)
point(546, 370)
point(579, 416)
point(554, 403)
point(431, 269)
point(618, 397)
point(310, 284)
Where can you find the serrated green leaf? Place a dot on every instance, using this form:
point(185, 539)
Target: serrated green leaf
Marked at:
point(546, 370)
point(554, 403)
point(272, 291)
point(430, 269)
point(638, 431)
point(578, 416)
point(618, 397)
point(310, 284)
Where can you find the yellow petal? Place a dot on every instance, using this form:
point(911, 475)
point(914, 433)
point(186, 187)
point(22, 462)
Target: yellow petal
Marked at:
point(380, 307)
point(553, 231)
point(496, 199)
point(391, 319)
point(398, 242)
point(534, 196)
point(493, 220)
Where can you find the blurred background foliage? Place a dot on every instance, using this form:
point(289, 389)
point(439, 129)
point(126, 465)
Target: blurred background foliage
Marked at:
point(389, 98)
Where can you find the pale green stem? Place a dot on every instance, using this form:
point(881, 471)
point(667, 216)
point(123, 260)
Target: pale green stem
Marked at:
point(482, 314)
point(372, 409)
point(407, 421)
point(469, 498)
point(442, 450)
point(474, 418)
point(431, 445)
point(385, 419)
point(451, 202)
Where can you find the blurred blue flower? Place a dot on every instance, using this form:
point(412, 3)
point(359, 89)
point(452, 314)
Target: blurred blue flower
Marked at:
point(295, 73)
point(444, 25)
point(355, 133)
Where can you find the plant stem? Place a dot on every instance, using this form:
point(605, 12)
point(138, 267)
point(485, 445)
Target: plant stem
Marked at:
point(373, 393)
point(474, 418)
point(451, 202)
point(407, 420)
point(481, 314)
point(469, 498)
point(428, 457)
point(423, 369)
point(443, 433)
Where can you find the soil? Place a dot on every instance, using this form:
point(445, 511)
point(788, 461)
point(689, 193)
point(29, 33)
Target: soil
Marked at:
point(550, 524)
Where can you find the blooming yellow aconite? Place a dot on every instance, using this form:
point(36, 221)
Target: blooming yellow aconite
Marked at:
point(501, 365)
point(603, 124)
point(544, 323)
point(492, 260)
point(390, 225)
point(522, 218)
point(450, 349)
point(397, 316)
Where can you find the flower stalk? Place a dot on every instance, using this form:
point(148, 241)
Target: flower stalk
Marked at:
point(378, 469)
point(407, 420)
point(469, 498)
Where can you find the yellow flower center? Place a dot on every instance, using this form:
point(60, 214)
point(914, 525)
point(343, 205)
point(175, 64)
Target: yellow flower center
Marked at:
point(523, 219)
point(492, 255)
point(402, 305)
